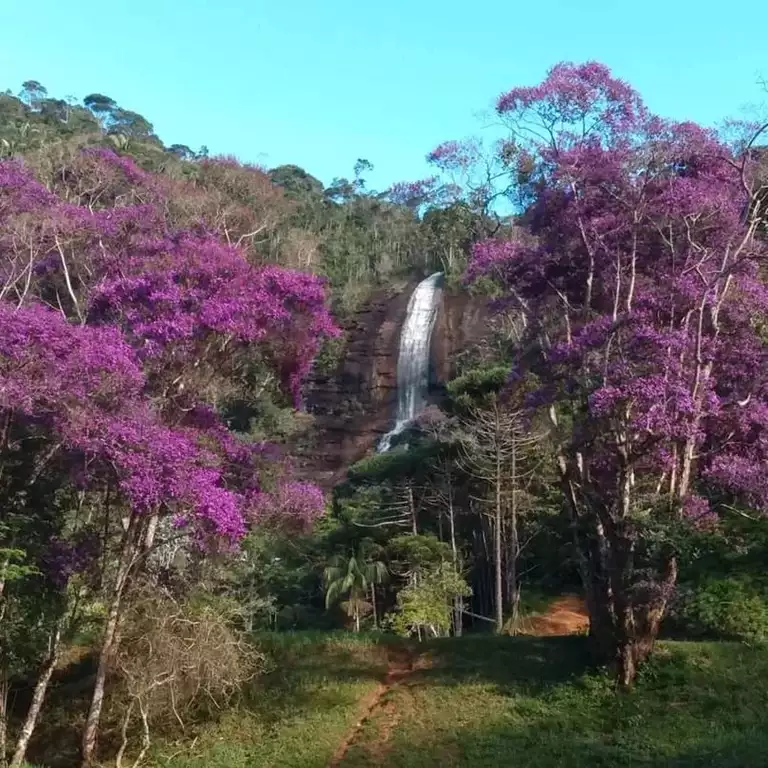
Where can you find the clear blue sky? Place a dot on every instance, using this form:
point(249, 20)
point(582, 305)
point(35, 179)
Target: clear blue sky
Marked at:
point(320, 83)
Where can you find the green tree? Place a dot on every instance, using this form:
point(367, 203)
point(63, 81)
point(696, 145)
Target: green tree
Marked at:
point(425, 606)
point(355, 576)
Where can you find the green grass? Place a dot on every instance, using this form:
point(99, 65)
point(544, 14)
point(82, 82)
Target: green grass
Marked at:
point(535, 601)
point(293, 717)
point(484, 700)
point(527, 702)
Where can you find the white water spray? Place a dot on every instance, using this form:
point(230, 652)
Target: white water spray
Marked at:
point(413, 359)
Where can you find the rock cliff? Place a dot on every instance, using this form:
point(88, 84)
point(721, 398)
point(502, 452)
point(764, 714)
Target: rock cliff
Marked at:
point(462, 322)
point(352, 407)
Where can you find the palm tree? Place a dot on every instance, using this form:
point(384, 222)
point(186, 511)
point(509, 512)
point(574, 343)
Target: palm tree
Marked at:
point(356, 577)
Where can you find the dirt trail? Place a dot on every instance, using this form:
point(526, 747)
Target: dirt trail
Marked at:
point(401, 663)
point(565, 616)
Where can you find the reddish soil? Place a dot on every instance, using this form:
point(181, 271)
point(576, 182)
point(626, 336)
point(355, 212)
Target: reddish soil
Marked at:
point(565, 616)
point(400, 665)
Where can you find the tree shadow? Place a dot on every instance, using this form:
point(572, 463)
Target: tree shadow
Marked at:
point(307, 672)
point(532, 746)
point(490, 700)
point(531, 702)
point(301, 682)
point(511, 663)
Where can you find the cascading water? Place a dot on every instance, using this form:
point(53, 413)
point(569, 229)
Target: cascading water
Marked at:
point(413, 359)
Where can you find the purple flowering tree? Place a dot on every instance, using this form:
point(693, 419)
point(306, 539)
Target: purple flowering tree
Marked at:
point(639, 286)
point(119, 336)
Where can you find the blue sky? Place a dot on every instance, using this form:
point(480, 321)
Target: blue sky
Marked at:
point(320, 84)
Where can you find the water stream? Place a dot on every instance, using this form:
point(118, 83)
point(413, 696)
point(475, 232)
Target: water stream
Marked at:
point(413, 358)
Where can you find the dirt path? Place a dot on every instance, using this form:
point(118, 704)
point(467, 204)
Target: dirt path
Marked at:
point(401, 663)
point(565, 616)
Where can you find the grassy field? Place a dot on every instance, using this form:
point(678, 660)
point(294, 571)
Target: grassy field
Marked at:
point(528, 702)
point(347, 701)
point(488, 701)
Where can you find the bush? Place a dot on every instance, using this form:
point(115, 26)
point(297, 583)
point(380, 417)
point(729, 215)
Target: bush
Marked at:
point(425, 606)
point(330, 356)
point(178, 657)
point(727, 608)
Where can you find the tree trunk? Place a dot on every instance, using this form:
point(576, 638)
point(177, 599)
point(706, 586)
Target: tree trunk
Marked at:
point(124, 734)
point(149, 538)
point(3, 716)
point(357, 619)
point(373, 605)
point(513, 555)
point(514, 545)
point(622, 633)
point(4, 688)
point(458, 602)
point(412, 509)
point(3, 570)
point(38, 697)
point(589, 546)
point(639, 627)
point(108, 644)
point(598, 593)
point(497, 554)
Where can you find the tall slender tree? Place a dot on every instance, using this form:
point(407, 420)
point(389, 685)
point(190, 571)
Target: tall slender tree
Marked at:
point(495, 449)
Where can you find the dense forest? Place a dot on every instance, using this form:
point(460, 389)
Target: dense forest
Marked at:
point(161, 311)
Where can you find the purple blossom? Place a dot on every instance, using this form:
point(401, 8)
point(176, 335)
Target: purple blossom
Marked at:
point(120, 396)
point(578, 91)
point(697, 512)
point(64, 558)
point(413, 193)
point(640, 323)
point(293, 504)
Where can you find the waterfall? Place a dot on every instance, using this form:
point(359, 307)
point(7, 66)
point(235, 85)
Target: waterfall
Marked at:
point(413, 359)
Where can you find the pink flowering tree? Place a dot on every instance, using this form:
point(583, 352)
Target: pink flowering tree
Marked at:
point(120, 339)
point(640, 290)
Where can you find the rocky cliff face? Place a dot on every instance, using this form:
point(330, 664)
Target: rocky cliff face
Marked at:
point(355, 405)
point(462, 322)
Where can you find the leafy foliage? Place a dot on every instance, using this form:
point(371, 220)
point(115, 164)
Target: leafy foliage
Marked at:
point(731, 608)
point(133, 312)
point(355, 577)
point(426, 605)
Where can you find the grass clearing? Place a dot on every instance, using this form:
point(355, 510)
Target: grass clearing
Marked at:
point(490, 701)
point(294, 716)
point(481, 700)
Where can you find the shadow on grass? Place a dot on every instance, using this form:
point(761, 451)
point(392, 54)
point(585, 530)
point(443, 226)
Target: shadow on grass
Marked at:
point(307, 672)
point(480, 701)
point(306, 675)
point(509, 662)
point(532, 747)
point(534, 703)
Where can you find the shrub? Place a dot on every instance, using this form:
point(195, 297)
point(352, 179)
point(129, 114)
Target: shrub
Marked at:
point(729, 608)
